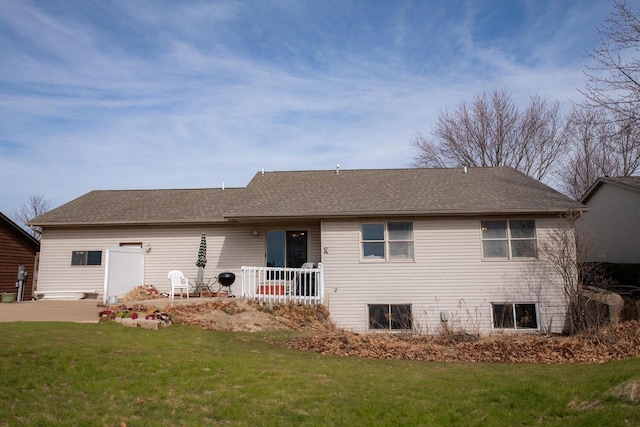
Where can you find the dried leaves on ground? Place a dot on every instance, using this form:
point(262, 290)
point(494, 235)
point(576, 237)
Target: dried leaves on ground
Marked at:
point(597, 346)
point(141, 293)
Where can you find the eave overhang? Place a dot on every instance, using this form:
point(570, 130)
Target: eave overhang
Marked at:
point(237, 217)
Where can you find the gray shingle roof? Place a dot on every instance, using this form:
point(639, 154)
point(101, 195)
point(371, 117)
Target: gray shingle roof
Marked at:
point(397, 192)
point(322, 194)
point(628, 182)
point(631, 181)
point(118, 207)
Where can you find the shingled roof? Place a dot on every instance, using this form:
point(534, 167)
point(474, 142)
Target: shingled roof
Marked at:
point(131, 207)
point(629, 182)
point(323, 194)
point(416, 191)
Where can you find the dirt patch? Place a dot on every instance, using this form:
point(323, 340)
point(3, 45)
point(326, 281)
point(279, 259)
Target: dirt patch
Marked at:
point(583, 405)
point(233, 315)
point(629, 391)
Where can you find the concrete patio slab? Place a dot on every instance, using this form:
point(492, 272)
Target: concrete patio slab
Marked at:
point(81, 311)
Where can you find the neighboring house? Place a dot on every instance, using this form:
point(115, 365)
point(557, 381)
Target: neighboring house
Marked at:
point(612, 224)
point(17, 248)
point(394, 249)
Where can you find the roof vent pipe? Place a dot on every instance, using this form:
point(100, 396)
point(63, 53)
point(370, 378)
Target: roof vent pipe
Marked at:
point(222, 185)
point(262, 173)
point(337, 168)
point(464, 171)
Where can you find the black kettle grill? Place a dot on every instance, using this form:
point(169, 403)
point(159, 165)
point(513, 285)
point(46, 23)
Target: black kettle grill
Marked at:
point(226, 279)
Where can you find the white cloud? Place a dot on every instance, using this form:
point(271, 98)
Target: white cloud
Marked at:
point(197, 104)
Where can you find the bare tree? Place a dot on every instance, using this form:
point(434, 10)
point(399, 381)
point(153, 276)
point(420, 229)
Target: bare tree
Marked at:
point(493, 132)
point(36, 205)
point(565, 250)
point(605, 138)
point(589, 157)
point(560, 251)
point(626, 147)
point(600, 146)
point(613, 83)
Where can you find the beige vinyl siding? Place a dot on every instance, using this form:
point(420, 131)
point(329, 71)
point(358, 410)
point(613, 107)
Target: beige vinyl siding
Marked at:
point(612, 225)
point(170, 248)
point(448, 275)
point(83, 278)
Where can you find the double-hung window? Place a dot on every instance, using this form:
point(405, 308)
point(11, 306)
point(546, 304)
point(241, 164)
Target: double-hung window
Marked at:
point(387, 241)
point(509, 239)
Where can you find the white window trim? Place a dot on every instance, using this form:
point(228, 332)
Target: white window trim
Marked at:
point(515, 320)
point(386, 242)
point(509, 240)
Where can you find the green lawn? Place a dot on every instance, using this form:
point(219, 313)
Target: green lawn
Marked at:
point(105, 374)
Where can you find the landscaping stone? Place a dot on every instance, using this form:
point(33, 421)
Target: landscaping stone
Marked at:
point(153, 325)
point(130, 323)
point(149, 324)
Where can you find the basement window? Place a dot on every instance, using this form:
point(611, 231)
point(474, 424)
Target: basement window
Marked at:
point(514, 315)
point(390, 317)
point(86, 258)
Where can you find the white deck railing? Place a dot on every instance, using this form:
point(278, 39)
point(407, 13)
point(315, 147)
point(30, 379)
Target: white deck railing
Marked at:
point(279, 285)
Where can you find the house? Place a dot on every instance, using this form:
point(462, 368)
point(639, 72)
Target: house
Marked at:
point(612, 224)
point(610, 231)
point(419, 249)
point(17, 248)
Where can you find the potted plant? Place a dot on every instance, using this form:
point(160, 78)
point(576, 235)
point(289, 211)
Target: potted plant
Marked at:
point(8, 297)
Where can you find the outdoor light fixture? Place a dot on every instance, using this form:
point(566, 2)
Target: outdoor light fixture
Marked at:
point(255, 233)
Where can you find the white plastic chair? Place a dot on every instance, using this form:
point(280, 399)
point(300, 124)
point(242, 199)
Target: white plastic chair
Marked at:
point(178, 282)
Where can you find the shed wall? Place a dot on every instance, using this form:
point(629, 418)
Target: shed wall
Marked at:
point(15, 251)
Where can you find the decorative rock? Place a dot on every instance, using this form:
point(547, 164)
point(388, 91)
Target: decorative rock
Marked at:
point(130, 323)
point(148, 324)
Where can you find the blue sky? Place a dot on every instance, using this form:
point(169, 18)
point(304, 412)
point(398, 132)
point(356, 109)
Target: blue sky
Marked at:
point(124, 94)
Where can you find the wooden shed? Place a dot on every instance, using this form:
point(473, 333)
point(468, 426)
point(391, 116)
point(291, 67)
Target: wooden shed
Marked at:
point(17, 247)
